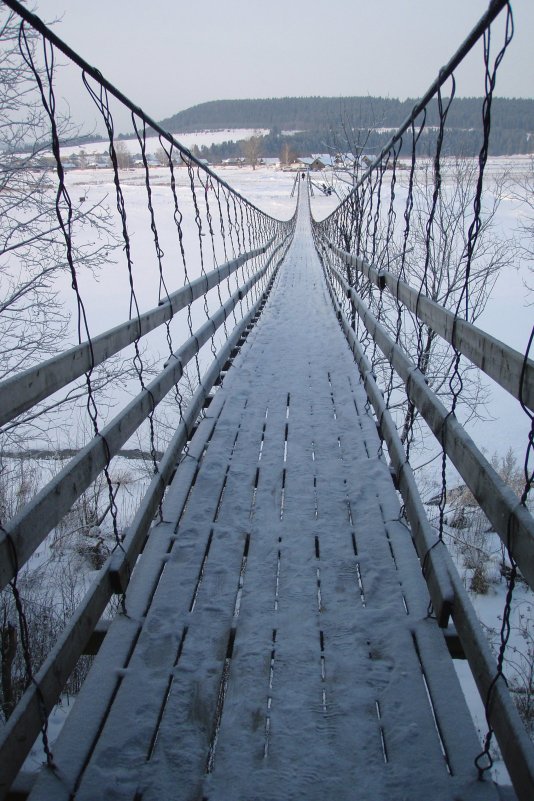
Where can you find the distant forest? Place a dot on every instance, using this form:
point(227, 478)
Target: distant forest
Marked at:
point(343, 123)
point(314, 113)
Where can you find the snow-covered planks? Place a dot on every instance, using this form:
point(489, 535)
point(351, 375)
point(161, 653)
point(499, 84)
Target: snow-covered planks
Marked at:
point(286, 652)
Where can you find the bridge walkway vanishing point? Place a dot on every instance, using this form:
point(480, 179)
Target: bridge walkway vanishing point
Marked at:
point(276, 642)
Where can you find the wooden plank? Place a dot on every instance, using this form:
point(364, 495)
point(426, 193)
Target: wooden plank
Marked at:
point(204, 560)
point(188, 730)
point(436, 572)
point(514, 742)
point(85, 720)
point(61, 661)
point(284, 599)
point(509, 368)
point(153, 558)
point(509, 518)
point(396, 700)
point(246, 697)
point(21, 535)
point(22, 729)
point(22, 391)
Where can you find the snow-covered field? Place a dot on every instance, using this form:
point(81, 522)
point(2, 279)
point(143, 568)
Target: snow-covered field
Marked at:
point(188, 140)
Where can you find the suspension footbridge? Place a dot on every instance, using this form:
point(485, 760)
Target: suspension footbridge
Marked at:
point(288, 615)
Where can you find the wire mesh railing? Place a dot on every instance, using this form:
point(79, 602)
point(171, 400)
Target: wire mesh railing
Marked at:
point(410, 260)
point(166, 270)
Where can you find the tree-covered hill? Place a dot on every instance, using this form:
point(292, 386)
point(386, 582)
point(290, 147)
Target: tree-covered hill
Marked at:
point(316, 113)
point(350, 123)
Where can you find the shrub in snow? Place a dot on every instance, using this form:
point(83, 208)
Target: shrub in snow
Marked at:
point(479, 580)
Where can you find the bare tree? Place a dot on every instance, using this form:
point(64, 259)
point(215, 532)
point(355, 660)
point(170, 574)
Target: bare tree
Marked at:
point(33, 264)
point(287, 154)
point(252, 150)
point(521, 189)
point(347, 143)
point(36, 268)
point(162, 157)
point(436, 262)
point(124, 157)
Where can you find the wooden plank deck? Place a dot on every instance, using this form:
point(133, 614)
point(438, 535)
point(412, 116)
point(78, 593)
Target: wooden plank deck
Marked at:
point(276, 644)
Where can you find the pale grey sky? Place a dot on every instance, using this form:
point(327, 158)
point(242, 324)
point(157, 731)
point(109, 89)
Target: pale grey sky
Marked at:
point(167, 55)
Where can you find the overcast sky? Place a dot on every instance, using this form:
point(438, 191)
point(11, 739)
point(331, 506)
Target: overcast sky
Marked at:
point(167, 55)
